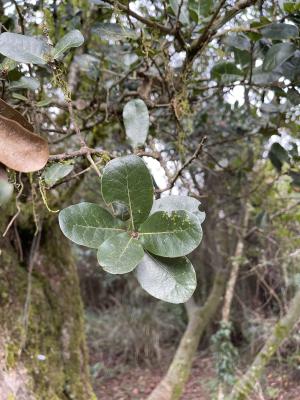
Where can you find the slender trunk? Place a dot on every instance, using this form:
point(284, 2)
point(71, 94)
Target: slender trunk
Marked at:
point(238, 254)
point(281, 331)
point(230, 287)
point(172, 385)
point(42, 342)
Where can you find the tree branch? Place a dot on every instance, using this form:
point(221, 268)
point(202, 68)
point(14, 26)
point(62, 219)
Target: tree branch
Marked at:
point(184, 166)
point(214, 24)
point(146, 21)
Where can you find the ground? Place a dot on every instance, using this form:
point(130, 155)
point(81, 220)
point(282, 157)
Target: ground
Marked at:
point(135, 383)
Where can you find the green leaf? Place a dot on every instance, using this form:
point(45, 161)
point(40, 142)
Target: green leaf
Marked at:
point(199, 9)
point(88, 224)
point(226, 72)
point(242, 57)
point(55, 172)
point(19, 96)
point(295, 179)
point(45, 102)
point(25, 82)
point(171, 234)
point(172, 280)
point(294, 96)
point(7, 65)
point(120, 254)
point(71, 39)
point(240, 42)
point(136, 121)
point(6, 191)
point(278, 31)
point(290, 69)
point(261, 78)
point(174, 203)
point(289, 7)
point(115, 32)
point(127, 180)
point(24, 49)
point(277, 55)
point(184, 15)
point(278, 155)
point(262, 219)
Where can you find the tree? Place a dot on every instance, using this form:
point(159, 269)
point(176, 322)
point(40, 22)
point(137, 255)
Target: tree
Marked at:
point(80, 71)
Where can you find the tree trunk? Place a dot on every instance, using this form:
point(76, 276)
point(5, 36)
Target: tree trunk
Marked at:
point(172, 385)
point(43, 355)
point(281, 331)
point(230, 287)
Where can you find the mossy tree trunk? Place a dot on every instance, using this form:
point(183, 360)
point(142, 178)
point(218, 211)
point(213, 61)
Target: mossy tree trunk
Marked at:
point(43, 355)
point(245, 386)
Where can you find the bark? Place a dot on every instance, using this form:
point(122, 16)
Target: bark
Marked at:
point(281, 331)
point(238, 254)
point(42, 343)
point(172, 385)
point(230, 287)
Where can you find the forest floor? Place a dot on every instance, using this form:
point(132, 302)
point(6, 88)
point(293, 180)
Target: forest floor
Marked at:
point(135, 383)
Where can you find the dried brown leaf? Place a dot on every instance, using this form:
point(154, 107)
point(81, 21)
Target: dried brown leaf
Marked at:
point(10, 113)
point(21, 149)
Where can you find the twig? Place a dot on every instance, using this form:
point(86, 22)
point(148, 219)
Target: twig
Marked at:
point(94, 166)
point(184, 166)
point(198, 43)
point(146, 21)
point(214, 24)
point(84, 151)
point(71, 177)
point(74, 122)
point(21, 17)
point(17, 205)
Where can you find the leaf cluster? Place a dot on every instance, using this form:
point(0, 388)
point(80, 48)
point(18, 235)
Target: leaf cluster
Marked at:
point(150, 237)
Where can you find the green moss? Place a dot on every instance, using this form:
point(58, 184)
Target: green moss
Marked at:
point(11, 355)
point(54, 353)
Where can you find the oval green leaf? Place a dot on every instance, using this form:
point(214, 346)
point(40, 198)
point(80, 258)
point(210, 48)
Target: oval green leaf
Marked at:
point(278, 31)
point(240, 42)
point(55, 172)
point(174, 203)
point(171, 234)
point(277, 55)
point(110, 31)
point(88, 224)
point(25, 82)
point(120, 254)
point(24, 49)
point(127, 180)
point(71, 39)
point(226, 72)
point(172, 280)
point(136, 121)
